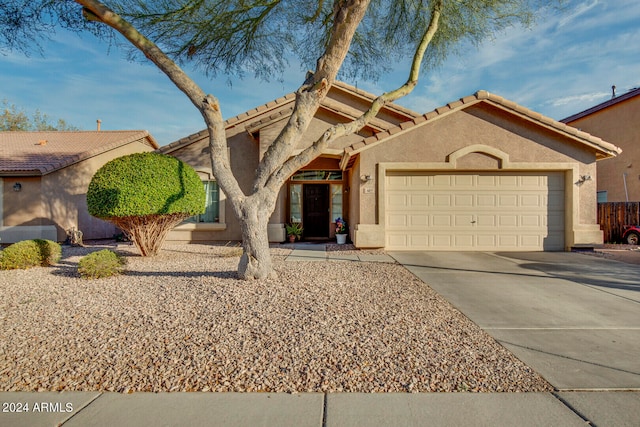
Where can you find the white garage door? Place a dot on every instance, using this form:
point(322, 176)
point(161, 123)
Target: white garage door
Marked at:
point(474, 211)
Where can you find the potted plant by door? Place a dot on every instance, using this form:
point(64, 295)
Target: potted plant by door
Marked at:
point(341, 231)
point(294, 231)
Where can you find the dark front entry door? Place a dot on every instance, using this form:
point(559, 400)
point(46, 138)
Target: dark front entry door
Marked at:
point(315, 210)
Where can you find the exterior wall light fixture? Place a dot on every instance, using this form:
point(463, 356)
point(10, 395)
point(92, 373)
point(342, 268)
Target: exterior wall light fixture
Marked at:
point(17, 187)
point(583, 179)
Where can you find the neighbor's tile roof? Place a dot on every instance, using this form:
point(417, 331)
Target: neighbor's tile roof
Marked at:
point(613, 101)
point(603, 148)
point(39, 153)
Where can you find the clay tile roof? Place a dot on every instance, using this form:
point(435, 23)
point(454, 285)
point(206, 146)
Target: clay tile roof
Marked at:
point(603, 149)
point(281, 108)
point(39, 153)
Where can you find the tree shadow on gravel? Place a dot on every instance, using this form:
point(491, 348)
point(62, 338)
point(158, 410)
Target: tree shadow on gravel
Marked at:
point(70, 269)
point(228, 274)
point(66, 269)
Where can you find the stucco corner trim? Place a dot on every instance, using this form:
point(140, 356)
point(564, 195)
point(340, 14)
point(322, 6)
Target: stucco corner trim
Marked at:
point(482, 149)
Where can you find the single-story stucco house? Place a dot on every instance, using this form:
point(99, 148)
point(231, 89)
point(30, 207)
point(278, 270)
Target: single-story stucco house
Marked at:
point(616, 120)
point(44, 178)
point(481, 173)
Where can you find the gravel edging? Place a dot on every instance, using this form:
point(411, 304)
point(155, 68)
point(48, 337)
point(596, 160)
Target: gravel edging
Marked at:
point(183, 322)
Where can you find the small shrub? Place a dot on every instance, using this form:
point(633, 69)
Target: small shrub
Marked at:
point(104, 263)
point(30, 253)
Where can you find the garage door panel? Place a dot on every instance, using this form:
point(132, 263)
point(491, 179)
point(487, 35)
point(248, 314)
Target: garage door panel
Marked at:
point(463, 200)
point(396, 240)
point(419, 240)
point(464, 220)
point(488, 181)
point(441, 200)
point(475, 211)
point(486, 221)
point(397, 200)
point(420, 220)
point(508, 182)
point(441, 220)
point(397, 182)
point(507, 200)
point(419, 200)
point(442, 181)
point(486, 241)
point(487, 200)
point(442, 241)
point(555, 221)
point(531, 201)
point(397, 220)
point(508, 220)
point(461, 181)
point(464, 241)
point(555, 200)
point(508, 241)
point(532, 221)
point(418, 181)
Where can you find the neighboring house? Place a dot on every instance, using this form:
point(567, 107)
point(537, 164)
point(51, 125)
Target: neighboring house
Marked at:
point(44, 178)
point(616, 120)
point(481, 173)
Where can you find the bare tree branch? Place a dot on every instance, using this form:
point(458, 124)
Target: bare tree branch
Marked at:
point(208, 105)
point(343, 129)
point(347, 17)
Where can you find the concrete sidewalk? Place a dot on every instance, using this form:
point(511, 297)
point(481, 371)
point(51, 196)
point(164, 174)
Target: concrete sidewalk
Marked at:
point(317, 252)
point(89, 409)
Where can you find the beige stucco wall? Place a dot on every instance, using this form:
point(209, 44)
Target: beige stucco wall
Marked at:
point(24, 207)
point(525, 145)
point(617, 124)
point(50, 205)
point(320, 123)
point(23, 213)
point(243, 152)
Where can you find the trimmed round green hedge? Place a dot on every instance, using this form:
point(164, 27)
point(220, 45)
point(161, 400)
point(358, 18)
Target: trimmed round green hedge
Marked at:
point(30, 253)
point(145, 184)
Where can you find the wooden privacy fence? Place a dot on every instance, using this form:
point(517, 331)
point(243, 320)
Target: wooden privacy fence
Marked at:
point(612, 216)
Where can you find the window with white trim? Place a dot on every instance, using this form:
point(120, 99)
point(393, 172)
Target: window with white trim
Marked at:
point(212, 205)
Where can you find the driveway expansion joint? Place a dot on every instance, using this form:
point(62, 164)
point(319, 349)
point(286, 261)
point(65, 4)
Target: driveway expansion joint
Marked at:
point(574, 410)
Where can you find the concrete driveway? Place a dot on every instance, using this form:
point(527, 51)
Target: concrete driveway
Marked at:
point(574, 318)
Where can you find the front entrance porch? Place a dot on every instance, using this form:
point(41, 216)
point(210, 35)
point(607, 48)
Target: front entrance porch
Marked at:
point(316, 199)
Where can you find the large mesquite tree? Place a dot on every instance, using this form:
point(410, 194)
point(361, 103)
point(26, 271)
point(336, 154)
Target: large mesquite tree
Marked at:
point(359, 37)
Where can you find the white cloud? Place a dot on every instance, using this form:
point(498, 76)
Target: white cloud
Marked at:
point(580, 10)
point(593, 98)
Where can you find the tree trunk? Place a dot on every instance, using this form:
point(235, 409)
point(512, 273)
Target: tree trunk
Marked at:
point(255, 262)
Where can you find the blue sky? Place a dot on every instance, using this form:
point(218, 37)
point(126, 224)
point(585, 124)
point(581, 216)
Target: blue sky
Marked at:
point(566, 63)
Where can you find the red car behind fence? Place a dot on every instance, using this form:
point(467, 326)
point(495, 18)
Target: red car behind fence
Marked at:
point(631, 234)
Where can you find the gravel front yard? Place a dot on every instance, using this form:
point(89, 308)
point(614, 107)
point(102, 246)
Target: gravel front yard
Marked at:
point(183, 322)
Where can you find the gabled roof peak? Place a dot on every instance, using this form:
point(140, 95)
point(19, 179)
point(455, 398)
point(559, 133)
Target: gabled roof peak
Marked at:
point(604, 148)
